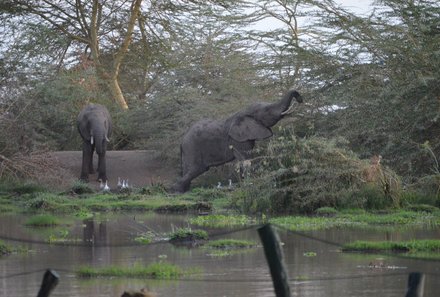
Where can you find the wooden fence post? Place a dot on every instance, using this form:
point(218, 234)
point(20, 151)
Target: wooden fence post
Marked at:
point(50, 280)
point(416, 283)
point(274, 256)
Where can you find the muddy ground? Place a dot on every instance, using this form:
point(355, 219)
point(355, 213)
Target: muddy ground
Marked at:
point(140, 167)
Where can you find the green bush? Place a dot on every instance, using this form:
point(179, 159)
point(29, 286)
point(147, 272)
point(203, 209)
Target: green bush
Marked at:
point(300, 175)
point(80, 187)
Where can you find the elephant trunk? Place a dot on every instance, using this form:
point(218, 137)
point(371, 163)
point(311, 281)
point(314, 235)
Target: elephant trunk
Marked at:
point(100, 140)
point(285, 103)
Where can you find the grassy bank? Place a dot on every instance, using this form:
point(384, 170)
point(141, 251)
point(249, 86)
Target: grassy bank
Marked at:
point(81, 200)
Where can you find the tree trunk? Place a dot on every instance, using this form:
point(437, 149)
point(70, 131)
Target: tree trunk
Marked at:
point(111, 76)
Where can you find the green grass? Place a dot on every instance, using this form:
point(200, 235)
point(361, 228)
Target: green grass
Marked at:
point(43, 220)
point(230, 244)
point(182, 234)
point(159, 270)
point(413, 246)
point(221, 221)
point(55, 203)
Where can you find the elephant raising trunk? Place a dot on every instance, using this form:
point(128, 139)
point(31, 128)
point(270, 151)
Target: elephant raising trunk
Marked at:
point(95, 127)
point(215, 142)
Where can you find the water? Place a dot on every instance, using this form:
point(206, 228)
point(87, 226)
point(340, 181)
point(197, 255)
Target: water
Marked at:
point(108, 240)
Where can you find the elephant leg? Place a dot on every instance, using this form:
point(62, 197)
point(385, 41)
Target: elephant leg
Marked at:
point(102, 175)
point(184, 183)
point(86, 159)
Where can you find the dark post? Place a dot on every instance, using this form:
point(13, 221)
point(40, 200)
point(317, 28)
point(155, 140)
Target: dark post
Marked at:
point(416, 283)
point(274, 256)
point(50, 280)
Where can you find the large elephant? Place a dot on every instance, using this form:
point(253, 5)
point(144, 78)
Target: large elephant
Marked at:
point(214, 142)
point(95, 126)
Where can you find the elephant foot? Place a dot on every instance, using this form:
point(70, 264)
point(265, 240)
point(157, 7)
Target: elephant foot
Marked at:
point(84, 179)
point(179, 188)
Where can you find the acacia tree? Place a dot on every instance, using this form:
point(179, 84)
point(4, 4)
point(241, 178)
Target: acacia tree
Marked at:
point(380, 71)
point(91, 25)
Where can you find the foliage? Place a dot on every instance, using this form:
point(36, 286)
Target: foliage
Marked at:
point(295, 175)
point(159, 270)
point(80, 187)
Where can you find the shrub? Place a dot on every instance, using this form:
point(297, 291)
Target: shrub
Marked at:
point(80, 187)
point(301, 175)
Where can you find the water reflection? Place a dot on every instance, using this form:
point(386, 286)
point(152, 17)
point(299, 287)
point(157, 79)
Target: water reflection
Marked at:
point(92, 236)
point(109, 240)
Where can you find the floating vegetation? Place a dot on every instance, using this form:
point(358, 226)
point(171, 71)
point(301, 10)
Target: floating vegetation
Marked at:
point(4, 249)
point(188, 235)
point(62, 237)
point(310, 254)
point(360, 219)
point(146, 237)
point(44, 220)
point(228, 247)
point(158, 270)
point(230, 244)
point(413, 246)
point(221, 221)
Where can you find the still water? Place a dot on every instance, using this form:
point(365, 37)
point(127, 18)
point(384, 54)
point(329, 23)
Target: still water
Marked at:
point(316, 268)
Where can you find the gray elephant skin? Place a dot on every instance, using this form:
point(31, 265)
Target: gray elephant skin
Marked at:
point(95, 127)
point(215, 142)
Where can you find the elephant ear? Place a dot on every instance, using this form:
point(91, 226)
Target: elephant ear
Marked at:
point(247, 128)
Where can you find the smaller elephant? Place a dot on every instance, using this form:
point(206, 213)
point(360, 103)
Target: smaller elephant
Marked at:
point(215, 142)
point(95, 127)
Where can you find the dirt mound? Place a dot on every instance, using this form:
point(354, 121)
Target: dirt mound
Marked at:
point(141, 167)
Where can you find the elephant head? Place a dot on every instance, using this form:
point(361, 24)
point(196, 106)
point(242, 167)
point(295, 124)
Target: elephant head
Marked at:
point(95, 127)
point(254, 122)
point(214, 142)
